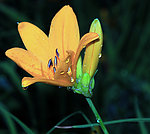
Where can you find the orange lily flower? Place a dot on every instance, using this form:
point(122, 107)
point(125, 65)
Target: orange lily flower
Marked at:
point(51, 59)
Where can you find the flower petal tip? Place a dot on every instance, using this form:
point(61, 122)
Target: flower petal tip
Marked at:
point(8, 52)
point(21, 25)
point(24, 88)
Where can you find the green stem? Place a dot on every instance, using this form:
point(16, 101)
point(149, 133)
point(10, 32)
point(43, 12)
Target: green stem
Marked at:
point(98, 118)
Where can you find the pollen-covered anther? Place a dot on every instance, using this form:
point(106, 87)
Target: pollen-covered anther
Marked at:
point(55, 61)
point(54, 69)
point(57, 53)
point(50, 63)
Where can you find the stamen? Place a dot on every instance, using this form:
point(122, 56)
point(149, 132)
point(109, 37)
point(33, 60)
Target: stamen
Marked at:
point(54, 69)
point(55, 61)
point(57, 53)
point(50, 63)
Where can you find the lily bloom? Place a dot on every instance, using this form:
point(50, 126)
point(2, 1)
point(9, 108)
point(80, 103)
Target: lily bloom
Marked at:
point(85, 73)
point(51, 59)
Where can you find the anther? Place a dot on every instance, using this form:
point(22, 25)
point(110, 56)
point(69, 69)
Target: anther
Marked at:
point(57, 53)
point(54, 69)
point(50, 63)
point(55, 61)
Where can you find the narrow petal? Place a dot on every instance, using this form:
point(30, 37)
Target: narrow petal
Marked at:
point(27, 81)
point(64, 31)
point(27, 61)
point(85, 40)
point(35, 40)
point(93, 50)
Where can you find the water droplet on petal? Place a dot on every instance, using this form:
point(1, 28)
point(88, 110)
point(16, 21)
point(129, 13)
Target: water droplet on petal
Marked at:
point(67, 61)
point(69, 71)
point(100, 55)
point(62, 72)
point(72, 80)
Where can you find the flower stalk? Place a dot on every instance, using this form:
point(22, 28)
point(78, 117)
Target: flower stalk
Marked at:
point(98, 118)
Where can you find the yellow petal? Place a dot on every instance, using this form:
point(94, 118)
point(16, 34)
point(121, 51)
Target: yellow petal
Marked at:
point(35, 40)
point(64, 31)
point(27, 81)
point(27, 61)
point(93, 50)
point(85, 40)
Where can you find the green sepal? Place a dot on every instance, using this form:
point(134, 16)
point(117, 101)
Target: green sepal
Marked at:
point(84, 85)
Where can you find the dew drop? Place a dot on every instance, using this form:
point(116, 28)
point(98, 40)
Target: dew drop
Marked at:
point(69, 71)
point(62, 72)
point(72, 80)
point(98, 121)
point(25, 88)
point(100, 55)
point(67, 61)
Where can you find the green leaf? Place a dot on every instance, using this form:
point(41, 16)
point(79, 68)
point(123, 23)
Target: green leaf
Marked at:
point(9, 121)
point(24, 127)
point(66, 118)
point(139, 115)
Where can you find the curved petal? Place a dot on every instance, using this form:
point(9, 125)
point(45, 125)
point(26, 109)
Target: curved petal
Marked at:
point(27, 61)
point(64, 31)
point(93, 50)
point(35, 40)
point(27, 81)
point(85, 40)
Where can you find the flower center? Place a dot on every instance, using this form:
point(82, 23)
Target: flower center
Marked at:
point(60, 69)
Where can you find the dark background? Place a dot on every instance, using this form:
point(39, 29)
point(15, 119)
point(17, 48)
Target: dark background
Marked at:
point(122, 88)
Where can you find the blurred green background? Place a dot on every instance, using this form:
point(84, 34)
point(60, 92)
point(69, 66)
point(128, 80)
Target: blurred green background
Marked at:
point(122, 88)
